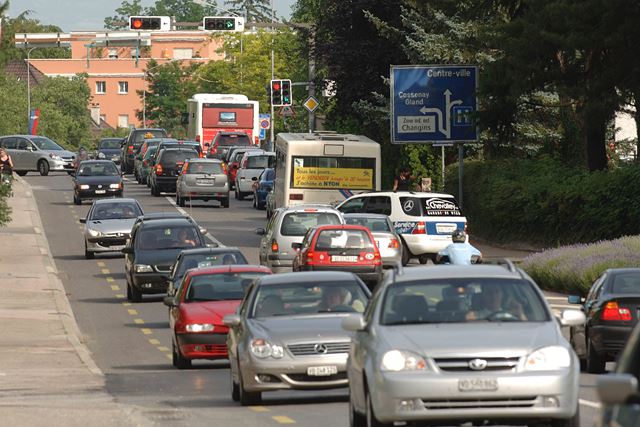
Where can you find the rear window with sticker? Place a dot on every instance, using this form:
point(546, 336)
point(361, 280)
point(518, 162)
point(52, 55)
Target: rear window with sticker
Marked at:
point(430, 206)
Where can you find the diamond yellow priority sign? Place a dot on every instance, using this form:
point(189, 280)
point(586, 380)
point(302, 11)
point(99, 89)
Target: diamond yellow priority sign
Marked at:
point(311, 104)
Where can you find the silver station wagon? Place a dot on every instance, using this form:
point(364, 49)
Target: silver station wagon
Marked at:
point(462, 344)
point(202, 179)
point(37, 153)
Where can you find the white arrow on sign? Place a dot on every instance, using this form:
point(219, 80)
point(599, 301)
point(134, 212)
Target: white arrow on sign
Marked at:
point(444, 123)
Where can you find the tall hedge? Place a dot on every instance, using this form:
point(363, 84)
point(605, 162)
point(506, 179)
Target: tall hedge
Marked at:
point(542, 201)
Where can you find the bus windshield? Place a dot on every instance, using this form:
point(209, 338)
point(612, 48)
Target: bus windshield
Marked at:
point(315, 172)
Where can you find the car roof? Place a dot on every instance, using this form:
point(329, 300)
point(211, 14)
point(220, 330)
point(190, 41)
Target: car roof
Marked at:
point(233, 268)
point(309, 208)
point(176, 149)
point(304, 277)
point(168, 222)
point(404, 194)
point(93, 162)
point(623, 270)
point(204, 160)
point(160, 215)
point(458, 272)
point(217, 250)
point(365, 215)
point(232, 133)
point(126, 200)
point(147, 130)
point(341, 227)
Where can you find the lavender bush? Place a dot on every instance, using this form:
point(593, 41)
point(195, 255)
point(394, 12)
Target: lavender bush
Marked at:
point(574, 268)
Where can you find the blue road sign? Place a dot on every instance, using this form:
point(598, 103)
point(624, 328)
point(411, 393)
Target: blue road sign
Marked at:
point(263, 133)
point(433, 103)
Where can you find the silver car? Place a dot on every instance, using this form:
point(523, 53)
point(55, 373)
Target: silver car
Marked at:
point(108, 225)
point(202, 179)
point(456, 344)
point(37, 153)
point(288, 226)
point(388, 241)
point(287, 333)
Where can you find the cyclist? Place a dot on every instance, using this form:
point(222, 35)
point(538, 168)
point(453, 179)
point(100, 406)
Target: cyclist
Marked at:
point(459, 252)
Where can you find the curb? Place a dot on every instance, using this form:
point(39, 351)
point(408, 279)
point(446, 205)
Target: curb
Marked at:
point(62, 302)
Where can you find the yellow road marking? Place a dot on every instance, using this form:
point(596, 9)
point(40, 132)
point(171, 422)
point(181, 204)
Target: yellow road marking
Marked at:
point(283, 419)
point(121, 296)
point(146, 331)
point(105, 271)
point(126, 304)
point(138, 321)
point(101, 264)
point(259, 409)
point(133, 312)
point(165, 349)
point(110, 279)
point(154, 341)
point(115, 287)
point(170, 356)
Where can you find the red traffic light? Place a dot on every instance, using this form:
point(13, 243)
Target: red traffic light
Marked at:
point(276, 86)
point(136, 23)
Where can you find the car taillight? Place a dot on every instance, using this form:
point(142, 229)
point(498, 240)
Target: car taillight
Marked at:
point(295, 196)
point(420, 228)
point(614, 313)
point(130, 149)
point(372, 257)
point(394, 244)
point(317, 257)
point(198, 138)
point(158, 169)
point(225, 169)
point(274, 246)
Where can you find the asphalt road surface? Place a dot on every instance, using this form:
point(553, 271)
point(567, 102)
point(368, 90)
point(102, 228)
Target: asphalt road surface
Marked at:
point(131, 342)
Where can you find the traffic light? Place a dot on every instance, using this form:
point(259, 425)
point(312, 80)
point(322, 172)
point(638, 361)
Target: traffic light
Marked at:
point(223, 23)
point(287, 99)
point(157, 23)
point(276, 93)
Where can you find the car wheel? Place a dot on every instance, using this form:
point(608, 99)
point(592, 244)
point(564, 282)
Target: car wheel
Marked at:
point(235, 389)
point(225, 202)
point(22, 173)
point(135, 294)
point(178, 360)
point(180, 201)
point(355, 419)
point(583, 361)
point(406, 255)
point(254, 201)
point(240, 195)
point(129, 296)
point(595, 361)
point(247, 398)
point(43, 167)
point(371, 419)
point(571, 422)
point(154, 191)
point(235, 191)
point(77, 200)
point(87, 253)
point(424, 258)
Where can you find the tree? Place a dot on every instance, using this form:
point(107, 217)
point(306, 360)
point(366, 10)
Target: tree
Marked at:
point(252, 10)
point(126, 9)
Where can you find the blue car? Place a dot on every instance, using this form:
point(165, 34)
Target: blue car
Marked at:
point(262, 186)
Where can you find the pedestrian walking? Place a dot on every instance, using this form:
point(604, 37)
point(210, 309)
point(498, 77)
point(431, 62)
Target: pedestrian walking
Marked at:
point(6, 168)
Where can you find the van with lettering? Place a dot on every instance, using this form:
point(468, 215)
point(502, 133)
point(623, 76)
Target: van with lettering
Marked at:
point(424, 221)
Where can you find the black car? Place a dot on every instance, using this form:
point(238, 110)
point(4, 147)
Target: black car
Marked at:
point(152, 250)
point(109, 149)
point(95, 179)
point(200, 258)
point(612, 309)
point(132, 142)
point(164, 175)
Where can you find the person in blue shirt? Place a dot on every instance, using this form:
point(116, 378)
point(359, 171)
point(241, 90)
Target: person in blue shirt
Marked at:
point(460, 252)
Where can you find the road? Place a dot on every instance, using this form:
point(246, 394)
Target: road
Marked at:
point(131, 342)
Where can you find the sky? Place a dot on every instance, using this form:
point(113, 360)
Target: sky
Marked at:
point(80, 15)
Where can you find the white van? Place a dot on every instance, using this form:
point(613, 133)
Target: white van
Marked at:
point(251, 166)
point(424, 221)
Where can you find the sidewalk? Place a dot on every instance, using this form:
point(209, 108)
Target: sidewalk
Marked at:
point(47, 375)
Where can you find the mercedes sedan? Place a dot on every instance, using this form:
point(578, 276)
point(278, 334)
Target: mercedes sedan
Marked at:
point(287, 333)
point(462, 344)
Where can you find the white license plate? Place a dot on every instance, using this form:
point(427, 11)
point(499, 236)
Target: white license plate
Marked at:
point(446, 228)
point(344, 258)
point(478, 384)
point(322, 371)
point(205, 181)
point(101, 191)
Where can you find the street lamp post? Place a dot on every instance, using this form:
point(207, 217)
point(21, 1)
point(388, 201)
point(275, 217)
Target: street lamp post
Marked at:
point(29, 87)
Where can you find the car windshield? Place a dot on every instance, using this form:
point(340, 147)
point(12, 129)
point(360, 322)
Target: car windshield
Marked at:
point(462, 300)
point(375, 225)
point(110, 144)
point(220, 286)
point(115, 210)
point(176, 237)
point(260, 162)
point(309, 298)
point(297, 223)
point(98, 169)
point(239, 139)
point(147, 134)
point(343, 239)
point(209, 260)
point(204, 167)
point(44, 143)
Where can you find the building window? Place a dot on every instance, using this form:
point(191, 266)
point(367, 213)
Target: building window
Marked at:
point(123, 121)
point(123, 87)
point(113, 53)
point(101, 87)
point(182, 53)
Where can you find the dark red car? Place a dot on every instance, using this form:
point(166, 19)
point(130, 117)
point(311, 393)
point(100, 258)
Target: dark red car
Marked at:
point(204, 297)
point(340, 247)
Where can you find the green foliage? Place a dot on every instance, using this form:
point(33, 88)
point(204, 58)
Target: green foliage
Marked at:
point(546, 202)
point(13, 108)
point(182, 10)
point(252, 10)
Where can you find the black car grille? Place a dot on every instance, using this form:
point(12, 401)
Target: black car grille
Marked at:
point(449, 404)
point(464, 364)
point(304, 378)
point(112, 242)
point(314, 349)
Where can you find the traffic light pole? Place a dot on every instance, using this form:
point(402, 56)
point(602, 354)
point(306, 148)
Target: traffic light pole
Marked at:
point(273, 76)
point(312, 76)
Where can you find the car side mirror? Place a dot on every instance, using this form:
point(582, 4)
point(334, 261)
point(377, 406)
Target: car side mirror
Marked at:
point(82, 220)
point(354, 323)
point(261, 231)
point(572, 318)
point(127, 250)
point(231, 320)
point(203, 230)
point(296, 245)
point(575, 299)
point(255, 178)
point(169, 301)
point(616, 388)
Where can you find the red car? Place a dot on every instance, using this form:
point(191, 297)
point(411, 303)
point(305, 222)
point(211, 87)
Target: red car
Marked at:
point(204, 297)
point(340, 247)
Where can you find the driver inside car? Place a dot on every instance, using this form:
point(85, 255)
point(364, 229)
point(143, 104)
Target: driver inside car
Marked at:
point(338, 299)
point(491, 302)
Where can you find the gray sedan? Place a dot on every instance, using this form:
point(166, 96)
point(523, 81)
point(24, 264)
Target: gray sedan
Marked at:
point(388, 241)
point(108, 225)
point(456, 344)
point(287, 333)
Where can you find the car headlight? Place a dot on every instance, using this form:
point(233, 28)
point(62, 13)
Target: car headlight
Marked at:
point(55, 156)
point(142, 268)
point(199, 327)
point(398, 360)
point(548, 359)
point(262, 348)
point(83, 186)
point(94, 233)
point(115, 185)
point(101, 155)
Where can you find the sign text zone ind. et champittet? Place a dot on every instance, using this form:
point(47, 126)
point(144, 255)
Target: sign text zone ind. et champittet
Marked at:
point(433, 104)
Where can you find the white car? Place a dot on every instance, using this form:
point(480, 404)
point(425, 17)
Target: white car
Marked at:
point(424, 221)
point(252, 164)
